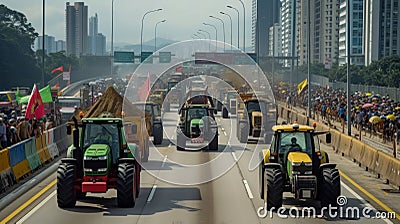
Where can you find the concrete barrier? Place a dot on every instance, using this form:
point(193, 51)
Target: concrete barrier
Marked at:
point(31, 154)
point(345, 145)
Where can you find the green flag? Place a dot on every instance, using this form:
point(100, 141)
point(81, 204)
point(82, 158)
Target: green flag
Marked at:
point(45, 93)
point(18, 95)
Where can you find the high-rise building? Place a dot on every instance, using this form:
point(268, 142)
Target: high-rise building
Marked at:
point(93, 31)
point(76, 28)
point(265, 13)
point(303, 32)
point(288, 22)
point(356, 35)
point(60, 45)
point(382, 29)
point(275, 41)
point(100, 45)
point(49, 44)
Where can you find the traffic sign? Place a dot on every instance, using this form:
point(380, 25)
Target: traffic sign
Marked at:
point(146, 57)
point(164, 57)
point(124, 57)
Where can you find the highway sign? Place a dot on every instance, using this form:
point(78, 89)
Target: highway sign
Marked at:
point(164, 57)
point(124, 57)
point(146, 57)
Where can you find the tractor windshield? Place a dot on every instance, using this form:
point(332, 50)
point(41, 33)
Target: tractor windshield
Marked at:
point(197, 113)
point(101, 134)
point(302, 139)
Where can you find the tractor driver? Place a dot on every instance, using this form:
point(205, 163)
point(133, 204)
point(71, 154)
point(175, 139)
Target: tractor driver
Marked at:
point(294, 147)
point(104, 137)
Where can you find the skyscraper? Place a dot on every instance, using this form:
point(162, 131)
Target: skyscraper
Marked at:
point(288, 19)
point(76, 28)
point(93, 31)
point(382, 29)
point(265, 13)
point(356, 35)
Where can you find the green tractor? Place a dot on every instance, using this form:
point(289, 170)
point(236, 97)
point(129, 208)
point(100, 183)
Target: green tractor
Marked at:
point(294, 163)
point(198, 124)
point(99, 159)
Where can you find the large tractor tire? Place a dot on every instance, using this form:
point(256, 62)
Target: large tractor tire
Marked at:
point(180, 140)
point(213, 144)
point(225, 112)
point(66, 195)
point(158, 134)
point(329, 187)
point(126, 186)
point(137, 179)
point(273, 188)
point(219, 106)
point(243, 134)
point(261, 179)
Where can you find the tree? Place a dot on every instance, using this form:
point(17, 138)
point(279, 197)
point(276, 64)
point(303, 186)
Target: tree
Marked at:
point(17, 62)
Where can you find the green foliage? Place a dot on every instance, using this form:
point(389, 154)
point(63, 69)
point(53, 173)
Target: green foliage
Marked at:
point(385, 72)
point(17, 62)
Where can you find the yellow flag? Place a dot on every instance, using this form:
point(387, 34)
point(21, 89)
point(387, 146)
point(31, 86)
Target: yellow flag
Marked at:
point(302, 86)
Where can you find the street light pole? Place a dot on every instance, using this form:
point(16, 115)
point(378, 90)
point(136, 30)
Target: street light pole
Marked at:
point(238, 17)
point(209, 39)
point(112, 35)
point(155, 34)
point(348, 45)
point(141, 29)
point(216, 33)
point(230, 18)
point(244, 26)
point(309, 62)
point(43, 42)
point(223, 27)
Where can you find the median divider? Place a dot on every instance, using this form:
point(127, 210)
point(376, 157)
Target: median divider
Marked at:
point(42, 149)
point(7, 178)
point(345, 145)
point(31, 154)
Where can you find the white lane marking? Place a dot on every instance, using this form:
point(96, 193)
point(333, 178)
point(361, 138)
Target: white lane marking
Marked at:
point(362, 200)
point(225, 133)
point(169, 145)
point(246, 185)
point(163, 162)
point(37, 207)
point(234, 156)
point(153, 190)
point(223, 129)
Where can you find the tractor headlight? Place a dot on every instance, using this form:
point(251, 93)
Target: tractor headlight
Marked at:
point(102, 158)
point(301, 168)
point(102, 170)
point(88, 170)
point(87, 158)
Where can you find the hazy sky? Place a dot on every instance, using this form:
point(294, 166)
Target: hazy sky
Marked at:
point(184, 17)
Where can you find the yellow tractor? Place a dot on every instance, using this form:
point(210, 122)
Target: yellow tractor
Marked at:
point(295, 163)
point(255, 117)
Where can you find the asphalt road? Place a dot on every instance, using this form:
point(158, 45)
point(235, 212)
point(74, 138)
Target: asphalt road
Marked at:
point(231, 197)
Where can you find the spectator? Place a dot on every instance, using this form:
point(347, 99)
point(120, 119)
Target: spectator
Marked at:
point(23, 129)
point(3, 134)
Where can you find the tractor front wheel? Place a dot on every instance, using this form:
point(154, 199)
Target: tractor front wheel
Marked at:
point(273, 187)
point(126, 186)
point(329, 189)
point(66, 195)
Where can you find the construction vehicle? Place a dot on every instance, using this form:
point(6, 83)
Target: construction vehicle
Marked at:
point(229, 104)
point(139, 137)
point(153, 120)
point(99, 159)
point(295, 163)
point(255, 117)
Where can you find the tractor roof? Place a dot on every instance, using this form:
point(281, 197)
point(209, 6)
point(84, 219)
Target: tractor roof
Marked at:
point(292, 127)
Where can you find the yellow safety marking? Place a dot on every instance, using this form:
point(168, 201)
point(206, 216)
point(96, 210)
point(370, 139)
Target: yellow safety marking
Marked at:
point(372, 197)
point(28, 202)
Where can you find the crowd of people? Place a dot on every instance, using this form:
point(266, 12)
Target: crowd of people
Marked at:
point(15, 127)
point(370, 112)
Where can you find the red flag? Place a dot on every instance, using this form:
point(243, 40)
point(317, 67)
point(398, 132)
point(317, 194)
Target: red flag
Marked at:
point(35, 106)
point(144, 90)
point(179, 68)
point(60, 69)
point(56, 86)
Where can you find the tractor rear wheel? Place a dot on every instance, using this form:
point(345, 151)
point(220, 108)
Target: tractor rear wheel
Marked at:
point(213, 144)
point(243, 132)
point(158, 134)
point(66, 195)
point(329, 189)
point(180, 140)
point(126, 186)
point(273, 187)
point(225, 112)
